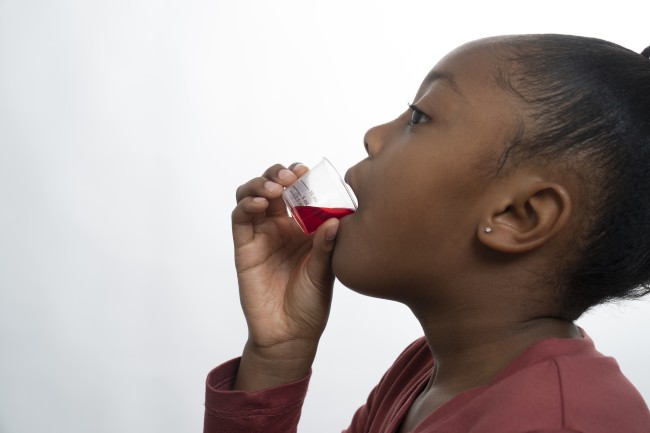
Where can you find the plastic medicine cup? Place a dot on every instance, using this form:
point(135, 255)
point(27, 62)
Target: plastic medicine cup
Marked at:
point(318, 195)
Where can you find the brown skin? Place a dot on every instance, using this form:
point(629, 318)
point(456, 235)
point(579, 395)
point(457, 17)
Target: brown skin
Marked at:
point(418, 237)
point(285, 282)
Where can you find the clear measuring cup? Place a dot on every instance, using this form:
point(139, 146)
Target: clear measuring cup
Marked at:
point(318, 195)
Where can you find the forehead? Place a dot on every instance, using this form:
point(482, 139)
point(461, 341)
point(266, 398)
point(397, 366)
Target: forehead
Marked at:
point(469, 71)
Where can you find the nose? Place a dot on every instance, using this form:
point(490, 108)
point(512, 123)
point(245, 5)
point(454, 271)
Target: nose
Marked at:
point(374, 139)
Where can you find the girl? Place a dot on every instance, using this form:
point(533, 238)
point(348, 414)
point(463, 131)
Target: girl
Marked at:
point(512, 196)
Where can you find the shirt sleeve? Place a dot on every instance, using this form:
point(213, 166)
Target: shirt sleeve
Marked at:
point(273, 410)
point(554, 431)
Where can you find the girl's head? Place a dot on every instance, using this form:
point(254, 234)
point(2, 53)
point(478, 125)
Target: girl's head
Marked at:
point(586, 110)
point(545, 139)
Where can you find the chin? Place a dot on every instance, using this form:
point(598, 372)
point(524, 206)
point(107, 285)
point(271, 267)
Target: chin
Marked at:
point(347, 267)
point(354, 274)
point(354, 264)
point(341, 265)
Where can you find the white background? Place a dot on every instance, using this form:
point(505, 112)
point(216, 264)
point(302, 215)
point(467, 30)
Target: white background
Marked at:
point(125, 127)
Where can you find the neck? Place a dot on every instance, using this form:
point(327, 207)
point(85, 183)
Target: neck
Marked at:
point(471, 347)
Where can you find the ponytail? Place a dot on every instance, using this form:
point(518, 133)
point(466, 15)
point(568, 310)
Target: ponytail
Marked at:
point(646, 52)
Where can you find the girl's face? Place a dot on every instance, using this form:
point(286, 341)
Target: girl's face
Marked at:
point(421, 188)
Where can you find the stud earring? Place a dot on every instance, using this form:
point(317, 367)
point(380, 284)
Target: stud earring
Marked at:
point(487, 230)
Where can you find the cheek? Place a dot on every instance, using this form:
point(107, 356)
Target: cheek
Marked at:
point(377, 249)
point(390, 238)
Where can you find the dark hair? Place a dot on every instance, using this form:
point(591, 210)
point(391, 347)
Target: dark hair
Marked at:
point(587, 107)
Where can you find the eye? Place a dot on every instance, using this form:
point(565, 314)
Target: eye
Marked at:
point(418, 116)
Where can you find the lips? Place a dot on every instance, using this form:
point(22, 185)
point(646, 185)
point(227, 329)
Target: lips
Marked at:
point(350, 187)
point(347, 178)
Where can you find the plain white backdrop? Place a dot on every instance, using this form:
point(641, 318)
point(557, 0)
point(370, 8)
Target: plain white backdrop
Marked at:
point(125, 128)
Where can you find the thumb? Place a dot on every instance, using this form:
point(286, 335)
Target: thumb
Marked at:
point(319, 268)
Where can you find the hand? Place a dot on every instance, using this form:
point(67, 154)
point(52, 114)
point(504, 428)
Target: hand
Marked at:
point(285, 281)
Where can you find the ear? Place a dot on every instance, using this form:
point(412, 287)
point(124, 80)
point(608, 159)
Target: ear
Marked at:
point(526, 216)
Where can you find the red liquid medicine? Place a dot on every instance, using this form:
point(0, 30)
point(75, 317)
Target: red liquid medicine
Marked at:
point(310, 217)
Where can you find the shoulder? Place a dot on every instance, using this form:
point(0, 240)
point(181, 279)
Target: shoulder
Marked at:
point(596, 394)
point(566, 385)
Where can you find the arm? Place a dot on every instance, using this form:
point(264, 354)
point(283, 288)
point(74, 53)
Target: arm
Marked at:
point(285, 285)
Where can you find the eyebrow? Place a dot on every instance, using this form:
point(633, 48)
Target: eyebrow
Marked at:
point(445, 77)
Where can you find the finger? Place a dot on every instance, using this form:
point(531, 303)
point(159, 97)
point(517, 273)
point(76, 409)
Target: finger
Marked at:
point(280, 174)
point(259, 187)
point(246, 211)
point(283, 177)
point(298, 168)
point(270, 185)
point(319, 267)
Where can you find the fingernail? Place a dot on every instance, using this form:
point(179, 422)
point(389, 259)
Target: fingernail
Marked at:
point(331, 232)
point(294, 165)
point(271, 186)
point(285, 174)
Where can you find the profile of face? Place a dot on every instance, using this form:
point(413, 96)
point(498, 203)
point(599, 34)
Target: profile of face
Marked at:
point(422, 188)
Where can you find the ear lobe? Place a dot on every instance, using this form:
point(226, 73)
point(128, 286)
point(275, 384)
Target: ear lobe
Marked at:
point(529, 219)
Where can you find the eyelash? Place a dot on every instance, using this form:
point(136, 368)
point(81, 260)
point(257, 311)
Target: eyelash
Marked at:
point(417, 115)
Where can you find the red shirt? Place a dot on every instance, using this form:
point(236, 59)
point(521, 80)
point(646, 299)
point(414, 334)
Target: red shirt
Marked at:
point(557, 385)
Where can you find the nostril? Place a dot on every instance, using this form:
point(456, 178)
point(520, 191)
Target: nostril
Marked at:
point(374, 139)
